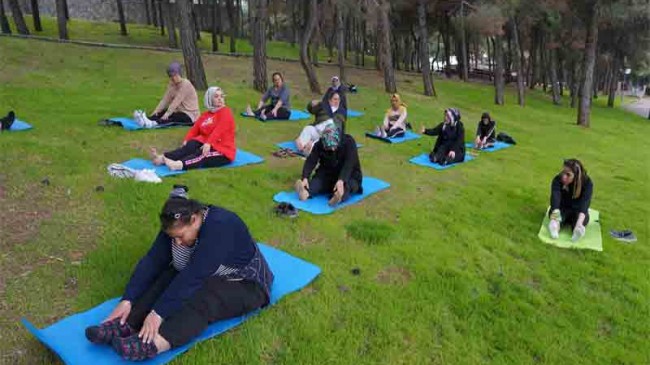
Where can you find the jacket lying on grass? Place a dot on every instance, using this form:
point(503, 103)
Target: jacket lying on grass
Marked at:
point(224, 248)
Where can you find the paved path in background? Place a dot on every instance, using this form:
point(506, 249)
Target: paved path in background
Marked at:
point(641, 107)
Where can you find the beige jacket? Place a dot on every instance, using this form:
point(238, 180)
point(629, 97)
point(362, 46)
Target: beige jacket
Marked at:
point(180, 97)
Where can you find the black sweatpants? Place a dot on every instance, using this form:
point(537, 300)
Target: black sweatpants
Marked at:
point(570, 218)
point(283, 113)
point(395, 133)
point(323, 183)
point(193, 158)
point(442, 157)
point(176, 118)
point(218, 299)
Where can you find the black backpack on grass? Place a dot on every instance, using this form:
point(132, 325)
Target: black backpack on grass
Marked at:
point(505, 138)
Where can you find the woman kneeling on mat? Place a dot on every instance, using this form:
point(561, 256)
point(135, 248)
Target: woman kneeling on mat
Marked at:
point(450, 145)
point(339, 170)
point(395, 120)
point(571, 192)
point(325, 114)
point(279, 106)
point(209, 143)
point(203, 267)
point(486, 132)
point(179, 105)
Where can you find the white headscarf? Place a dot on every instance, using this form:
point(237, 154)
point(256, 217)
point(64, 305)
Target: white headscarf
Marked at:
point(209, 98)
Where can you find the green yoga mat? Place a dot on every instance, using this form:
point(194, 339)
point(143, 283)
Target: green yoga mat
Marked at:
point(592, 240)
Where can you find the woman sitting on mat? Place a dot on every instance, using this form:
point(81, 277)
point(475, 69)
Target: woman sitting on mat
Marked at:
point(337, 88)
point(203, 267)
point(395, 120)
point(571, 192)
point(325, 114)
point(450, 145)
point(339, 171)
point(279, 107)
point(179, 105)
point(486, 132)
point(209, 143)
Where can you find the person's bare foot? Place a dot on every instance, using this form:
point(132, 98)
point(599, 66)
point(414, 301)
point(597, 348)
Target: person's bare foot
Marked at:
point(173, 165)
point(249, 111)
point(336, 198)
point(155, 157)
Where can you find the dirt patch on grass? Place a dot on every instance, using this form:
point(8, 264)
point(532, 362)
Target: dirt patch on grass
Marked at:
point(21, 217)
point(395, 275)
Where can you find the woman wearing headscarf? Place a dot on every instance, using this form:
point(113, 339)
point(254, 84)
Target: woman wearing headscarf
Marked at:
point(450, 145)
point(179, 105)
point(485, 132)
point(339, 170)
point(209, 143)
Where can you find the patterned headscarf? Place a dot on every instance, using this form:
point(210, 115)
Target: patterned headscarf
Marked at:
point(209, 98)
point(454, 116)
point(331, 137)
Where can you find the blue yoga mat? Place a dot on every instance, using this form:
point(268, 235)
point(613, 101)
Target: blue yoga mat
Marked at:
point(498, 145)
point(318, 204)
point(131, 125)
point(291, 145)
point(408, 136)
point(423, 160)
point(295, 116)
point(20, 125)
point(67, 339)
point(241, 159)
point(354, 113)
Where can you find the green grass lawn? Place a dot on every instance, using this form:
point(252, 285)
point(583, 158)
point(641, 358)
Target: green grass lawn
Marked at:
point(461, 278)
point(145, 35)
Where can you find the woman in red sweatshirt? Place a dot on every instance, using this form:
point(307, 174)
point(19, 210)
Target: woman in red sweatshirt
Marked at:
point(209, 143)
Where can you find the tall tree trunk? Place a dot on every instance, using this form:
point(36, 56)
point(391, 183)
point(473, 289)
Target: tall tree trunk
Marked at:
point(4, 22)
point(340, 44)
point(120, 14)
point(294, 21)
point(499, 82)
point(259, 44)
point(463, 43)
point(17, 14)
point(168, 15)
point(61, 20)
point(554, 81)
point(154, 13)
point(427, 80)
point(191, 54)
point(573, 82)
point(534, 51)
point(613, 83)
point(447, 45)
point(147, 12)
point(521, 87)
point(36, 15)
point(161, 17)
point(364, 42)
point(66, 9)
point(591, 41)
point(232, 24)
point(311, 13)
point(215, 25)
point(196, 22)
point(384, 35)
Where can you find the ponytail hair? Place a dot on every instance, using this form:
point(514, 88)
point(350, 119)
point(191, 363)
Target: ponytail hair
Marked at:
point(580, 176)
point(178, 209)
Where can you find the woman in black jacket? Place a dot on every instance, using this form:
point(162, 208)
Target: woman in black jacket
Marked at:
point(571, 192)
point(450, 145)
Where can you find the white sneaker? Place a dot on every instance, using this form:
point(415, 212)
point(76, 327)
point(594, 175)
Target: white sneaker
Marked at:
point(121, 171)
point(148, 123)
point(139, 116)
point(147, 175)
point(578, 233)
point(554, 229)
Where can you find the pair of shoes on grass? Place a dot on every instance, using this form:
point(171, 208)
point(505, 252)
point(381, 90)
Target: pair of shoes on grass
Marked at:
point(624, 236)
point(286, 209)
point(123, 172)
point(143, 121)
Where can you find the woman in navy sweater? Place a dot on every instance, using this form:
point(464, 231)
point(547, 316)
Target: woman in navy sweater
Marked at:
point(571, 192)
point(203, 267)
